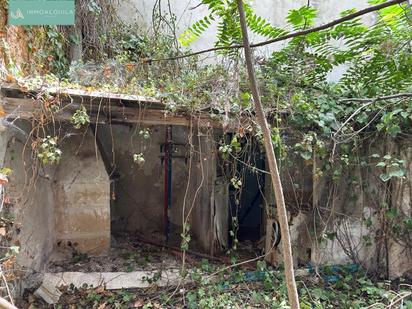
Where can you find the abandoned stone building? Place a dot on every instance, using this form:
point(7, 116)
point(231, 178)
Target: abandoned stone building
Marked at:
point(96, 193)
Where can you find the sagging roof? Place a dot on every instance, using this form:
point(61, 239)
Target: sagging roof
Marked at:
point(102, 107)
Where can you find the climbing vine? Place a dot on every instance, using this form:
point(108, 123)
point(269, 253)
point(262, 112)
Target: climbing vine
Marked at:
point(324, 120)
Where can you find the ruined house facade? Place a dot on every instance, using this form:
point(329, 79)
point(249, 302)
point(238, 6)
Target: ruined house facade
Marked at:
point(97, 192)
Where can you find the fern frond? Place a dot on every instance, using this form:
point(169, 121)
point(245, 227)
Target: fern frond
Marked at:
point(191, 34)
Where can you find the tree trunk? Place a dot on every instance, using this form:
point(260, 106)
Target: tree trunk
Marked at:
point(4, 304)
point(274, 172)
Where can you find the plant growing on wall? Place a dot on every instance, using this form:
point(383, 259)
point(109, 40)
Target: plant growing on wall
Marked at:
point(48, 152)
point(391, 167)
point(80, 118)
point(328, 121)
point(139, 158)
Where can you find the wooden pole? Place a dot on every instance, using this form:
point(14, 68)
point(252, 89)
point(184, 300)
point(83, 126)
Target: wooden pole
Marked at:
point(4, 304)
point(273, 167)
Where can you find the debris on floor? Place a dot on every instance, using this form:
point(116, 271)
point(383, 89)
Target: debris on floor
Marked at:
point(125, 256)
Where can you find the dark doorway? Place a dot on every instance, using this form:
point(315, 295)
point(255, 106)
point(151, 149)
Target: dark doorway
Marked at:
point(249, 210)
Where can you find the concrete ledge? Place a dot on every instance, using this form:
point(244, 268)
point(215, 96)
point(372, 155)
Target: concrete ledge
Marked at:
point(111, 280)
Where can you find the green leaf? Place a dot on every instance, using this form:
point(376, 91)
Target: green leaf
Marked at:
point(384, 177)
point(307, 155)
point(397, 173)
point(375, 2)
point(408, 223)
point(302, 17)
point(392, 213)
point(15, 249)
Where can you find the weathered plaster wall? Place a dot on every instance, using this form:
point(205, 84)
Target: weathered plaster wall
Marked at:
point(204, 178)
point(138, 193)
point(64, 206)
point(82, 197)
point(400, 253)
point(344, 225)
point(187, 12)
point(361, 197)
point(138, 190)
point(341, 208)
point(31, 197)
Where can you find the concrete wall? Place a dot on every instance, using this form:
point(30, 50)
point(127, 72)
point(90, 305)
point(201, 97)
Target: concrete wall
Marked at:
point(138, 189)
point(360, 196)
point(344, 224)
point(64, 206)
point(69, 207)
point(400, 253)
point(342, 206)
point(203, 181)
point(187, 13)
point(30, 193)
point(82, 197)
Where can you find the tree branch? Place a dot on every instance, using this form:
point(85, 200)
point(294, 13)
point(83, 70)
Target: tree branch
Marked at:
point(290, 35)
point(4, 304)
point(366, 102)
point(273, 167)
point(389, 97)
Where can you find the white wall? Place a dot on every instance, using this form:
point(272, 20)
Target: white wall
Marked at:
point(274, 11)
